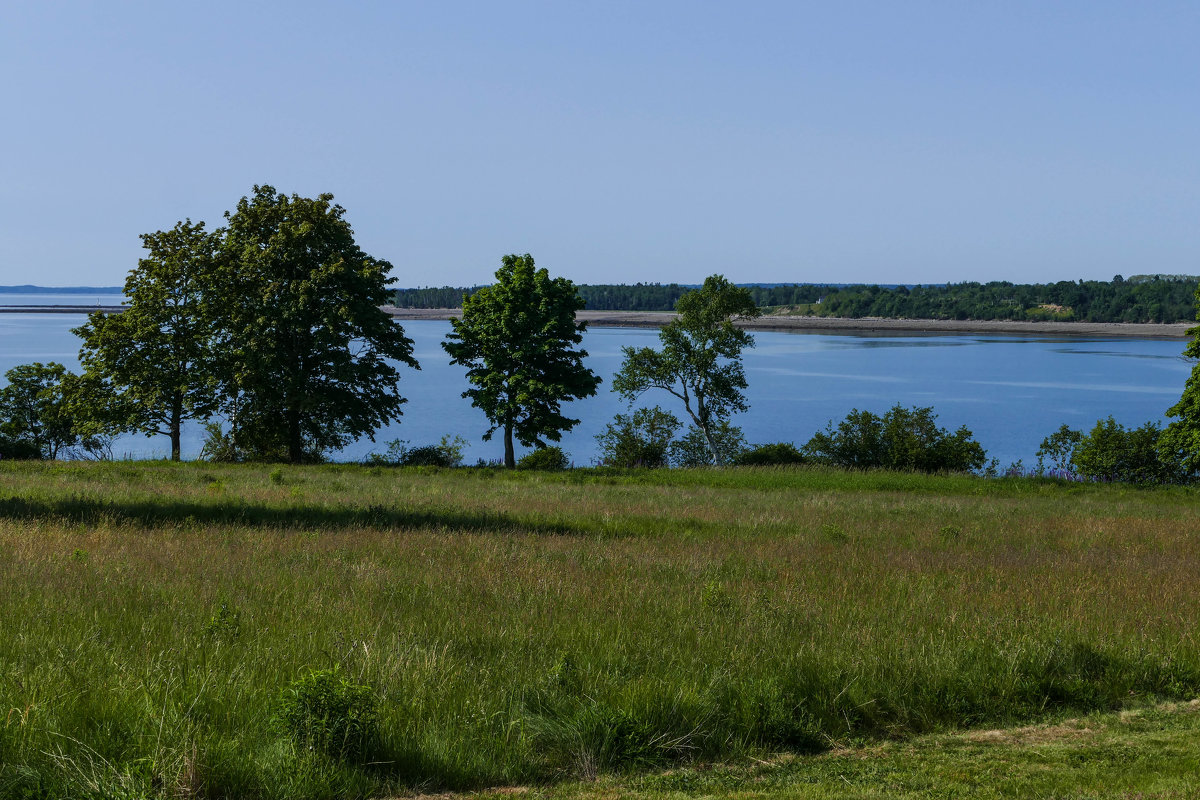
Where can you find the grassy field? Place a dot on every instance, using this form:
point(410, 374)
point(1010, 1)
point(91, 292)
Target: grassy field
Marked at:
point(539, 629)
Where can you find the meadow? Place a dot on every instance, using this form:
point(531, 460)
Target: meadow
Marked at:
point(540, 629)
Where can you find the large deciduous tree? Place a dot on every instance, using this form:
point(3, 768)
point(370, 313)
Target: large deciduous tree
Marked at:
point(701, 357)
point(306, 355)
point(158, 352)
point(518, 340)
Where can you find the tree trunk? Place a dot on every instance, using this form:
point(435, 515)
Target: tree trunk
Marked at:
point(176, 424)
point(510, 461)
point(712, 445)
point(295, 443)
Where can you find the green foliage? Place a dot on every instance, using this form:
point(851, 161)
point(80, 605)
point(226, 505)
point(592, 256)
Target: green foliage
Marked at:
point(47, 411)
point(225, 623)
point(326, 712)
point(1059, 448)
point(518, 340)
point(158, 353)
point(565, 676)
point(14, 448)
point(447, 453)
point(547, 459)
point(700, 362)
point(218, 446)
point(32, 407)
point(1141, 298)
point(1111, 452)
point(766, 455)
point(640, 439)
point(902, 439)
point(258, 443)
point(696, 449)
point(1148, 299)
point(305, 352)
point(1179, 444)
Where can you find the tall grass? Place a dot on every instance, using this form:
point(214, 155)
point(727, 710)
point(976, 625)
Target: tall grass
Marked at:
point(530, 626)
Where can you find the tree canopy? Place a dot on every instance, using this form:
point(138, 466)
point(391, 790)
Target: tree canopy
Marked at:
point(1180, 441)
point(1139, 298)
point(46, 410)
point(158, 352)
point(700, 362)
point(305, 351)
point(518, 340)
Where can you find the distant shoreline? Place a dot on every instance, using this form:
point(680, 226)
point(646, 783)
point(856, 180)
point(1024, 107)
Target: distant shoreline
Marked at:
point(657, 319)
point(60, 309)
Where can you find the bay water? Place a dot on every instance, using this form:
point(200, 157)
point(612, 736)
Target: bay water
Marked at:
point(1011, 391)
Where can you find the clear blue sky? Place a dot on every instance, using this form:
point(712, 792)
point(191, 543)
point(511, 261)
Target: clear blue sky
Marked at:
point(617, 141)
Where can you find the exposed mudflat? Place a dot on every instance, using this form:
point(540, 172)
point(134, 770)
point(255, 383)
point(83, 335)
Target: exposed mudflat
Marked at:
point(780, 322)
point(656, 319)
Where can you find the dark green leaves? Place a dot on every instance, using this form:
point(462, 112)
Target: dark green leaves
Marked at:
point(304, 349)
point(159, 352)
point(517, 339)
point(700, 360)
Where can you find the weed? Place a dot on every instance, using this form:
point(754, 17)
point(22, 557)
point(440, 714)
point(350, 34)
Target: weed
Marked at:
point(225, 623)
point(325, 712)
point(834, 534)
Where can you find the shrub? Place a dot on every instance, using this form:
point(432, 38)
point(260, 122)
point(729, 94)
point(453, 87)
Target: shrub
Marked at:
point(1059, 448)
point(902, 439)
point(640, 439)
point(691, 449)
point(254, 443)
point(1110, 452)
point(544, 458)
point(765, 455)
point(18, 449)
point(326, 712)
point(218, 445)
point(446, 453)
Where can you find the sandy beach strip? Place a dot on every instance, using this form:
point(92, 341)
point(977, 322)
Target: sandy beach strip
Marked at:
point(656, 319)
point(877, 325)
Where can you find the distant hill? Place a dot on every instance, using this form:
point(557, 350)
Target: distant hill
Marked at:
point(29, 289)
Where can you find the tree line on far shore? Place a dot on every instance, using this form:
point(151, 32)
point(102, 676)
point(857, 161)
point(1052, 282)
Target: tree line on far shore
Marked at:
point(269, 332)
point(1141, 298)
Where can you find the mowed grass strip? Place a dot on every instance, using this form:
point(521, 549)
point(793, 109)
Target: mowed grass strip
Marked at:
point(1151, 752)
point(524, 628)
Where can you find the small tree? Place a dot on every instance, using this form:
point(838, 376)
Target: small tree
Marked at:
point(32, 407)
point(158, 353)
point(701, 358)
point(518, 340)
point(1059, 448)
point(47, 409)
point(640, 439)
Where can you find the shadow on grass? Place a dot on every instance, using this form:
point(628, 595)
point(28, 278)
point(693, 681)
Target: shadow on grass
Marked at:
point(174, 512)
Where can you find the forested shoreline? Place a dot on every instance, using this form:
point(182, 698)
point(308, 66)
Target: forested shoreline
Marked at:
point(1140, 298)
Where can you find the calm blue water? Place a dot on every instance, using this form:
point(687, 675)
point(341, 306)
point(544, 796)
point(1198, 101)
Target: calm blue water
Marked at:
point(1010, 391)
point(81, 299)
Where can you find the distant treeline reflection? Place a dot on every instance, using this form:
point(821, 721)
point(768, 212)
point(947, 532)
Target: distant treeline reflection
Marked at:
point(1141, 298)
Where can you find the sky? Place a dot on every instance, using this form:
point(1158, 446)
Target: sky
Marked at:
point(875, 142)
